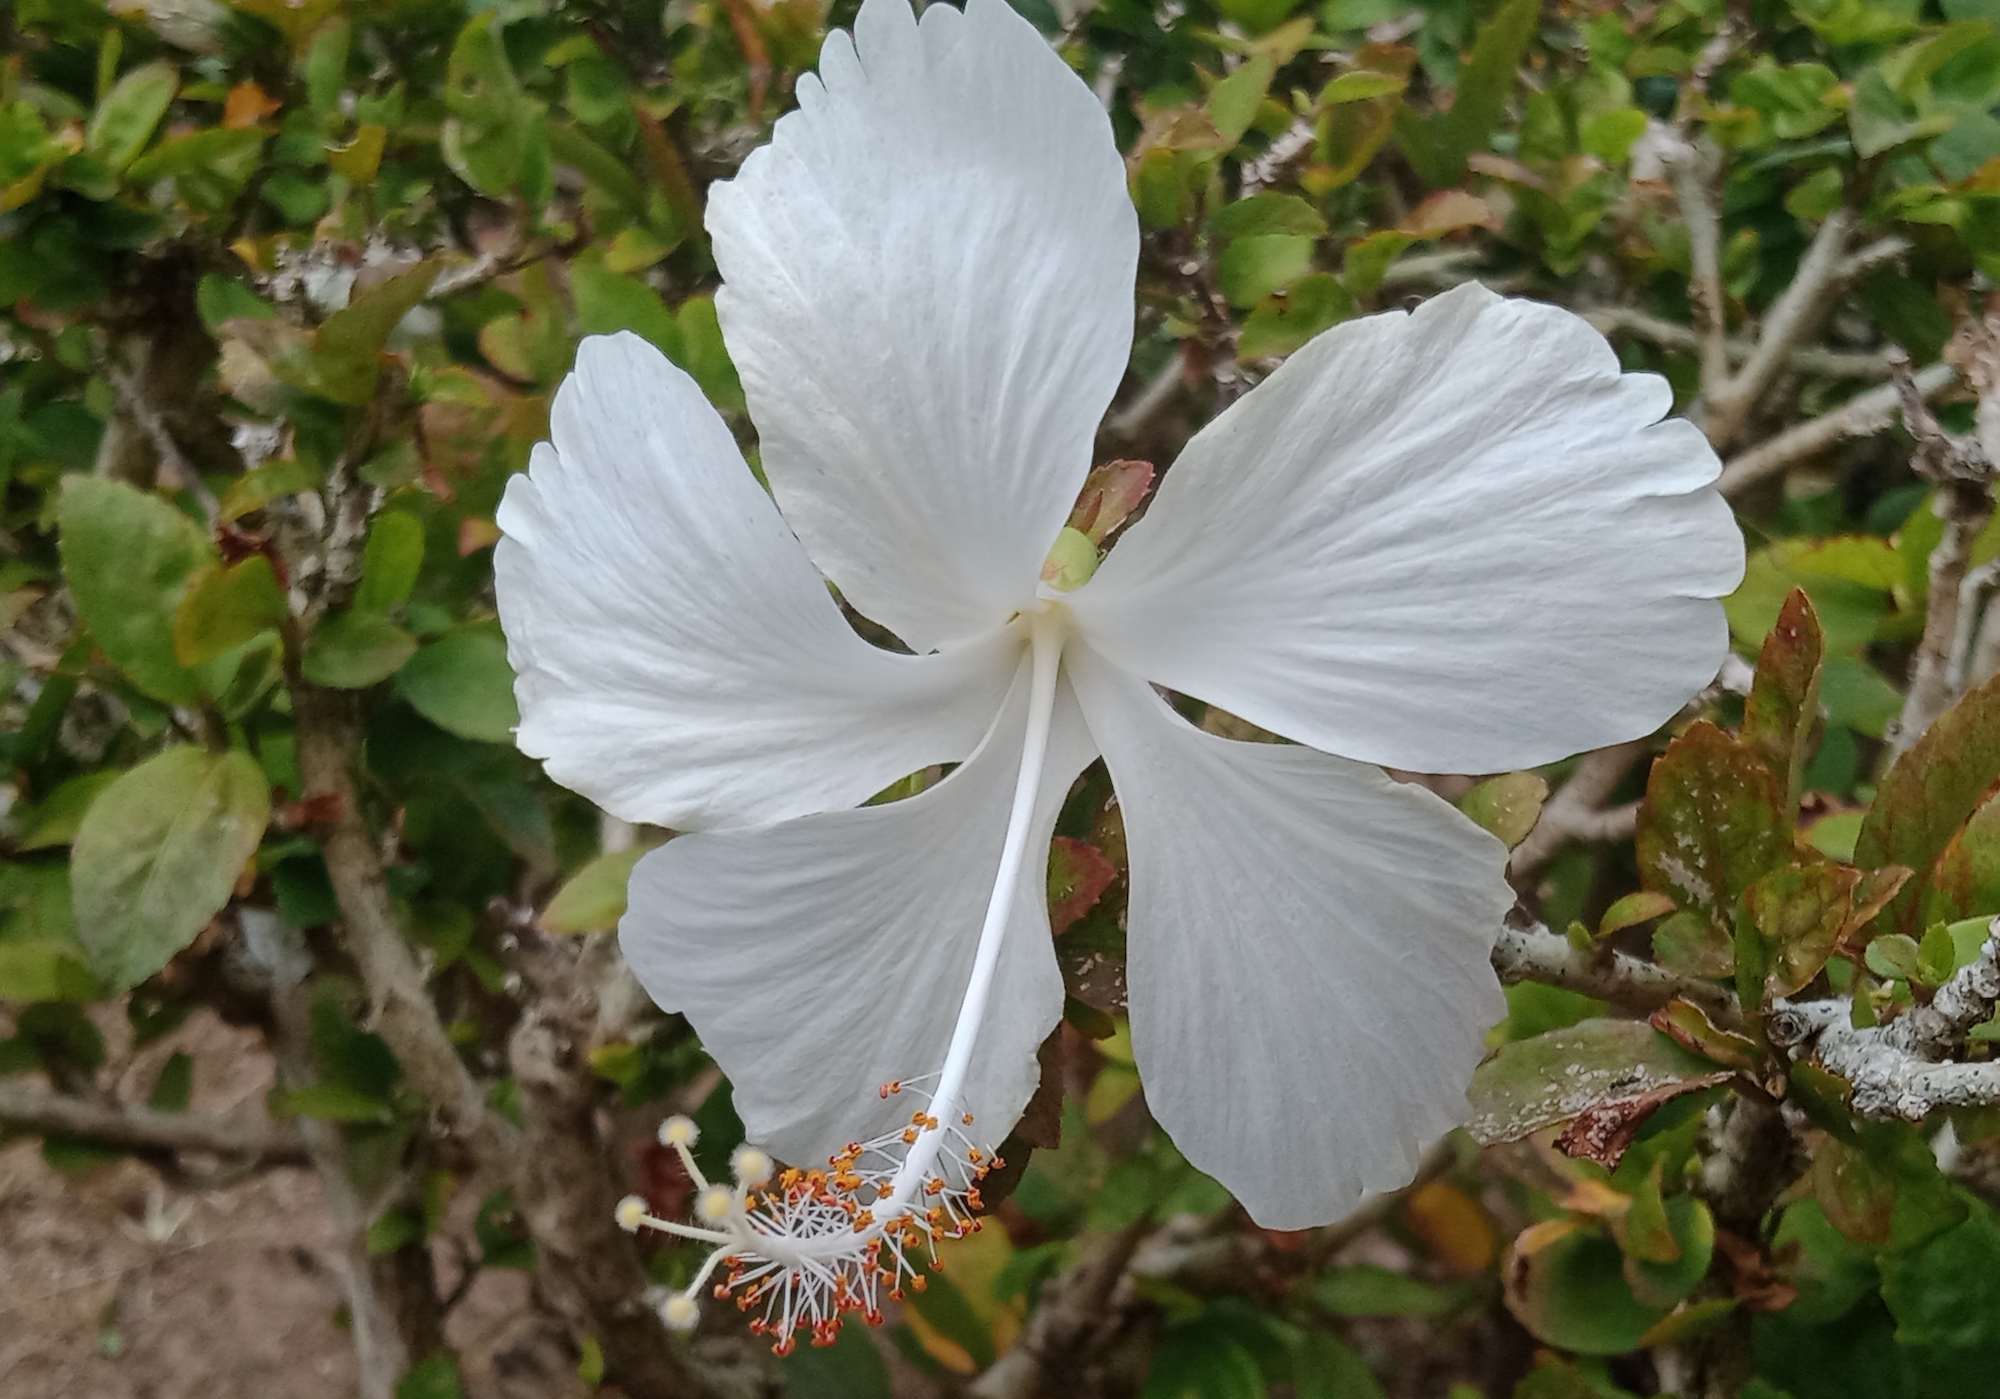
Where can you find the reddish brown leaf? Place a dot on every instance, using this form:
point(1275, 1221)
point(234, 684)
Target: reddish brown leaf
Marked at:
point(1802, 912)
point(1110, 493)
point(1604, 1132)
point(1711, 823)
point(1923, 800)
point(1078, 876)
point(1784, 697)
point(1448, 211)
point(1751, 1278)
point(1688, 1025)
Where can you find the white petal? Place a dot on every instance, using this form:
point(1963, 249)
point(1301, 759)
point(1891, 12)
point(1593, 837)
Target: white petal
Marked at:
point(928, 294)
point(1307, 959)
point(679, 662)
point(821, 958)
point(1453, 541)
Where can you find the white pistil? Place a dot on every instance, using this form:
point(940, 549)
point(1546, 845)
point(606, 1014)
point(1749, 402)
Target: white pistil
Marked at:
point(820, 1243)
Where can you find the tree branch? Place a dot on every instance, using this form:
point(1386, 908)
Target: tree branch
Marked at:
point(1791, 321)
point(1688, 171)
point(1536, 954)
point(329, 743)
point(1861, 416)
point(1896, 1068)
point(1963, 474)
point(1672, 335)
point(26, 1109)
point(1576, 812)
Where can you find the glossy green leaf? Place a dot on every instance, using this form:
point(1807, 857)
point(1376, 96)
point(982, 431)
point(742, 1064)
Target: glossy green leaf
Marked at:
point(228, 607)
point(347, 351)
point(1536, 1083)
point(1711, 823)
point(127, 556)
point(593, 900)
point(464, 685)
point(158, 854)
point(127, 117)
point(1784, 696)
point(1283, 323)
point(1931, 792)
point(1508, 805)
point(390, 562)
point(356, 649)
point(1571, 1292)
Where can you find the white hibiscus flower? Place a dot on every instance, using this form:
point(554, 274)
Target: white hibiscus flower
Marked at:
point(1455, 540)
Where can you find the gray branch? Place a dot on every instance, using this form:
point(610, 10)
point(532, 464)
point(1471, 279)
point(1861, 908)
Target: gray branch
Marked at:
point(26, 1109)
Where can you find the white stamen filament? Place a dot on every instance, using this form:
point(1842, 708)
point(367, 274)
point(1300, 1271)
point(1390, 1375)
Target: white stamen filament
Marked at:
point(816, 1244)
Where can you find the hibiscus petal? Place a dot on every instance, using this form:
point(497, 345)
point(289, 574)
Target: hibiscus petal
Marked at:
point(678, 660)
point(821, 958)
point(928, 293)
point(1308, 966)
point(1453, 541)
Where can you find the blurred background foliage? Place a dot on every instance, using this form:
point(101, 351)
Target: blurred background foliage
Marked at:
point(287, 287)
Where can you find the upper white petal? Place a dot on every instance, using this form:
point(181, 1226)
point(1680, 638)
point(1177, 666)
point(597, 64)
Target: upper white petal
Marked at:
point(928, 293)
point(1453, 541)
point(1307, 959)
point(678, 660)
point(823, 957)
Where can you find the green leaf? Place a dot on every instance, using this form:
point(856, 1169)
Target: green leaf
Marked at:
point(1896, 957)
point(175, 1084)
point(464, 685)
point(1367, 260)
point(1263, 214)
point(1663, 1282)
point(1710, 824)
point(124, 121)
point(1368, 1289)
point(1536, 1083)
point(1880, 120)
point(850, 1368)
point(435, 1378)
point(353, 650)
point(1801, 912)
point(39, 969)
point(1784, 697)
point(218, 298)
point(1233, 102)
point(1571, 1291)
point(127, 556)
point(1438, 145)
point(608, 301)
point(209, 168)
point(397, 1229)
point(53, 820)
point(945, 1308)
point(390, 562)
point(1285, 321)
point(1360, 85)
point(158, 854)
point(1931, 792)
point(1508, 805)
point(1200, 1360)
point(227, 608)
point(1966, 882)
point(594, 898)
point(1253, 268)
point(272, 481)
point(347, 352)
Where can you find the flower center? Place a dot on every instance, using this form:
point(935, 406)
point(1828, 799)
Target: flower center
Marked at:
point(813, 1245)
